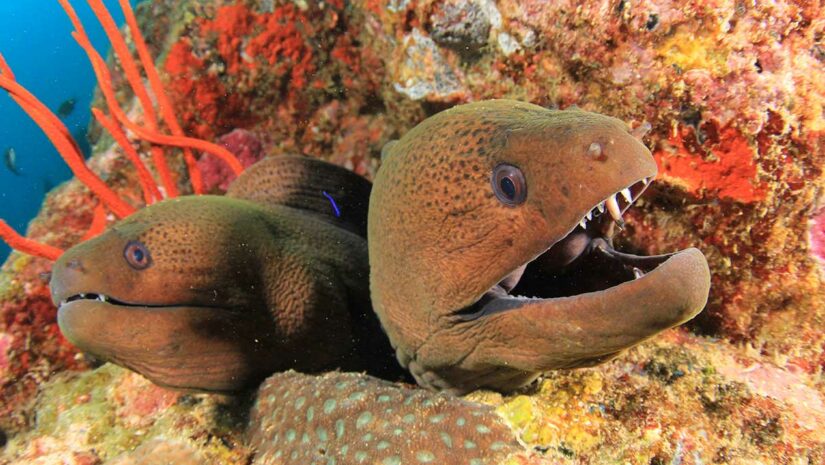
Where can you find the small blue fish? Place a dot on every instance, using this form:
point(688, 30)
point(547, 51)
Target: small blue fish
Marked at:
point(334, 205)
point(10, 160)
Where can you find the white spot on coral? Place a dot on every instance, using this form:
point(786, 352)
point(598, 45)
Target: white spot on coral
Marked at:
point(507, 43)
point(489, 7)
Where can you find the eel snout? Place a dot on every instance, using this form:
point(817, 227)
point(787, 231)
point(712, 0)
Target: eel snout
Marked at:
point(189, 346)
point(177, 347)
point(171, 293)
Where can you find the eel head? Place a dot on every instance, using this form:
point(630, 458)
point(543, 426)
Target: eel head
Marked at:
point(173, 293)
point(490, 240)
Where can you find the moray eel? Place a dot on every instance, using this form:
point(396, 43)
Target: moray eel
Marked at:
point(213, 293)
point(490, 229)
point(349, 418)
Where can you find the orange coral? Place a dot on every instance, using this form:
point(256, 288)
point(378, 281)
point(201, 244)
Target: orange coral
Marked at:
point(68, 148)
point(729, 170)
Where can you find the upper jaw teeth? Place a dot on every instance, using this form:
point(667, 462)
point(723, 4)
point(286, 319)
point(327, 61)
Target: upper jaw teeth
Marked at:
point(612, 206)
point(84, 296)
point(626, 194)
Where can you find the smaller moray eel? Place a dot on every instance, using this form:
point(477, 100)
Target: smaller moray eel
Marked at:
point(214, 293)
point(348, 418)
point(487, 202)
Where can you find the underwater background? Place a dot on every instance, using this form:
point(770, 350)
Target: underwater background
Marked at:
point(730, 99)
point(45, 57)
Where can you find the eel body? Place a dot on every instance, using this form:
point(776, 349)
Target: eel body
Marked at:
point(214, 293)
point(490, 243)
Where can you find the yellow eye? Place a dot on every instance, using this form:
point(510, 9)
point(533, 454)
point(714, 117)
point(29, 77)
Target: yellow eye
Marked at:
point(137, 255)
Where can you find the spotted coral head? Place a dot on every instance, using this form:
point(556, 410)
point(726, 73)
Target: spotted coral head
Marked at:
point(199, 293)
point(490, 239)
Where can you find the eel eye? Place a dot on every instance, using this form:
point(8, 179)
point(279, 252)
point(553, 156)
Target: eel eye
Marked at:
point(509, 184)
point(137, 255)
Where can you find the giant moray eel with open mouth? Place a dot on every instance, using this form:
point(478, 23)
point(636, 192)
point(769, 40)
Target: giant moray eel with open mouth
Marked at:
point(490, 242)
point(214, 293)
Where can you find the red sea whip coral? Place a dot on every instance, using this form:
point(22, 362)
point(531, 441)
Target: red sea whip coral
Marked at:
point(68, 148)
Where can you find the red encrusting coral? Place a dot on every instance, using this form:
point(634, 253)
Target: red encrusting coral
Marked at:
point(208, 108)
point(723, 164)
point(238, 48)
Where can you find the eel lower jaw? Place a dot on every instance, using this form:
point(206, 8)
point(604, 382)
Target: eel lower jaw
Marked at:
point(599, 268)
point(523, 336)
point(190, 348)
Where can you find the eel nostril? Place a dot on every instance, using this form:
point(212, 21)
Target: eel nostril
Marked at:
point(75, 264)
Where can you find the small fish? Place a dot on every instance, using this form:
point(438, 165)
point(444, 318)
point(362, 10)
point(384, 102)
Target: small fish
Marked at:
point(10, 160)
point(67, 107)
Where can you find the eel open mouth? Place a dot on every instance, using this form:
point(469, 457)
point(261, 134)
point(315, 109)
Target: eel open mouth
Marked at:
point(582, 262)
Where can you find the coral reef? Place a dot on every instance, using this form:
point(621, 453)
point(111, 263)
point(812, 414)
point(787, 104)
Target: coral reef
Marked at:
point(348, 417)
point(89, 418)
point(679, 400)
point(733, 95)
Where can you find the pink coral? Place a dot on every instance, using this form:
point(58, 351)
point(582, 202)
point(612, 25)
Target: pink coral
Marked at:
point(246, 147)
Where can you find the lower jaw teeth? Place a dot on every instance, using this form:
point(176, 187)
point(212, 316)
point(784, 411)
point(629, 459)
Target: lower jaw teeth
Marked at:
point(637, 272)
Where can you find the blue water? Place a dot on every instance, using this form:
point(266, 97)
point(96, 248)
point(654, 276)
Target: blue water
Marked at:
point(35, 39)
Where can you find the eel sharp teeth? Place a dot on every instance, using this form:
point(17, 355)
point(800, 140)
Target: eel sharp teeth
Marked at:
point(613, 208)
point(583, 223)
point(600, 207)
point(637, 273)
point(101, 298)
point(626, 194)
